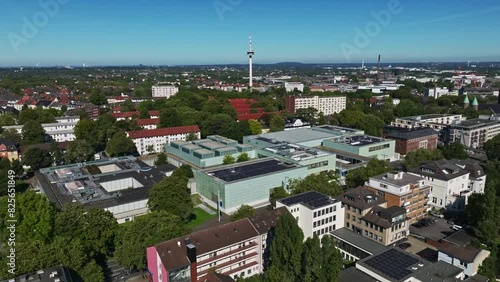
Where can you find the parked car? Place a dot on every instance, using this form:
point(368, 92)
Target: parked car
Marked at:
point(456, 227)
point(404, 245)
point(436, 214)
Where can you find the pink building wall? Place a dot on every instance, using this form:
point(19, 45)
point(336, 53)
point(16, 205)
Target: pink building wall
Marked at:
point(152, 259)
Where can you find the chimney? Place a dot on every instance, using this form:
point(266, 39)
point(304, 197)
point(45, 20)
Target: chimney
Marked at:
point(191, 254)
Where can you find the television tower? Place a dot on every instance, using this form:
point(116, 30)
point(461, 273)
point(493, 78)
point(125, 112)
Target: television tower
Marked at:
point(250, 54)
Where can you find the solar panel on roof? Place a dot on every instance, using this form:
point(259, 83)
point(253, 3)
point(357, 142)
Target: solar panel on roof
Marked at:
point(393, 263)
point(250, 170)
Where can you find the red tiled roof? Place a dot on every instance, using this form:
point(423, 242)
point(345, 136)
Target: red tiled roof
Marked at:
point(148, 121)
point(253, 116)
point(154, 113)
point(125, 114)
point(163, 131)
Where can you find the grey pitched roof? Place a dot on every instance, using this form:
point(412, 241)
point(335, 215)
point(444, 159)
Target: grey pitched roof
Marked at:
point(441, 169)
point(361, 198)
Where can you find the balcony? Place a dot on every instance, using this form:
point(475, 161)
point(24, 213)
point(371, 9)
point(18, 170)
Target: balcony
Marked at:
point(231, 262)
point(226, 254)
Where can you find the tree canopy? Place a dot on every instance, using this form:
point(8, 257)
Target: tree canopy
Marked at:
point(172, 195)
point(244, 211)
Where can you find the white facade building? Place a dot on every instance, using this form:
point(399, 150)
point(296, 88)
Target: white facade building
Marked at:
point(156, 140)
point(164, 91)
point(449, 183)
point(60, 131)
point(435, 121)
point(325, 105)
point(467, 258)
point(438, 92)
point(291, 86)
point(316, 214)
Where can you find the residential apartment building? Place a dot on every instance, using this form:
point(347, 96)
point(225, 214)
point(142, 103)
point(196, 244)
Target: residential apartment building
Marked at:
point(316, 213)
point(402, 190)
point(366, 213)
point(325, 105)
point(60, 131)
point(9, 149)
point(474, 133)
point(438, 92)
point(236, 249)
point(148, 123)
point(434, 121)
point(156, 140)
point(164, 91)
point(449, 184)
point(412, 140)
point(477, 177)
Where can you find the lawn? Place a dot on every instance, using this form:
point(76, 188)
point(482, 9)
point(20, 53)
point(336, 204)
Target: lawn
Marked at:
point(200, 216)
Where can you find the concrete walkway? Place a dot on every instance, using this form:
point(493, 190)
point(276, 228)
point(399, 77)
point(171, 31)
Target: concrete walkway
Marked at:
point(205, 208)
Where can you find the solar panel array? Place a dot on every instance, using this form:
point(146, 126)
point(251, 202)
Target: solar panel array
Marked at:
point(393, 263)
point(312, 199)
point(250, 170)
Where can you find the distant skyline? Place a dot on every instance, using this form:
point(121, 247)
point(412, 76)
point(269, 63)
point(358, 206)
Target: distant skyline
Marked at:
point(175, 32)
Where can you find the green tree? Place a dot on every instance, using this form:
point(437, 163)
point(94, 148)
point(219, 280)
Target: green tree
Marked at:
point(277, 193)
point(13, 135)
point(371, 124)
point(217, 124)
point(172, 195)
point(33, 133)
point(454, 151)
point(191, 136)
point(169, 117)
point(98, 98)
point(492, 148)
point(38, 115)
point(358, 177)
point(7, 120)
point(161, 159)
point(286, 249)
point(244, 211)
point(243, 157)
point(56, 153)
point(332, 262)
point(78, 151)
point(276, 123)
point(145, 231)
point(255, 127)
point(414, 158)
point(183, 171)
point(127, 106)
point(37, 158)
point(17, 167)
point(120, 145)
point(228, 159)
point(311, 260)
point(321, 182)
point(144, 114)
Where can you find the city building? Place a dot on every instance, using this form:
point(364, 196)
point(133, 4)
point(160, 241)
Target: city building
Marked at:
point(395, 265)
point(438, 92)
point(156, 140)
point(148, 123)
point(294, 86)
point(366, 213)
point(51, 274)
point(325, 105)
point(9, 149)
point(477, 177)
point(412, 140)
point(364, 145)
point(60, 131)
point(402, 189)
point(449, 184)
point(316, 213)
point(434, 121)
point(314, 159)
point(474, 133)
point(354, 246)
point(236, 249)
point(467, 258)
point(246, 183)
point(164, 91)
point(129, 115)
point(119, 185)
point(296, 123)
point(206, 152)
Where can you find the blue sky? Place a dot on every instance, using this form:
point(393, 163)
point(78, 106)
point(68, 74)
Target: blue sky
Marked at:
point(171, 32)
